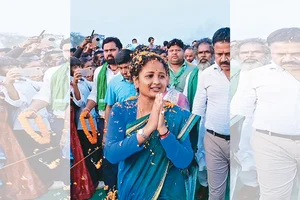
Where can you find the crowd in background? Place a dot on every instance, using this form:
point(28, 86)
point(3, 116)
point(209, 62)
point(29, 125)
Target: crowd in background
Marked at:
point(34, 117)
point(170, 121)
point(116, 84)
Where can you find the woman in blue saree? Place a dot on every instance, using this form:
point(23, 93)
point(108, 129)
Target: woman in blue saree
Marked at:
point(150, 138)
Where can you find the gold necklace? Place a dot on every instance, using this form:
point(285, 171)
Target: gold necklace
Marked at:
point(139, 111)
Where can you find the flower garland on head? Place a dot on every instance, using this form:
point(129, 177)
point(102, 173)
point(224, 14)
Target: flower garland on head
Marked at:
point(92, 138)
point(140, 59)
point(42, 139)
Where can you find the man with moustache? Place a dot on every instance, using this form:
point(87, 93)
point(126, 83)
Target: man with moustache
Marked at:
point(271, 97)
point(251, 53)
point(205, 58)
point(121, 87)
point(213, 103)
point(179, 68)
point(102, 76)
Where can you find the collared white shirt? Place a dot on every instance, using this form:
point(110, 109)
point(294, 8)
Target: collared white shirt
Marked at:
point(93, 95)
point(272, 96)
point(212, 99)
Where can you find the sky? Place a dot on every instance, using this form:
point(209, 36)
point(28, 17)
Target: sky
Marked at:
point(164, 20)
point(31, 17)
point(258, 18)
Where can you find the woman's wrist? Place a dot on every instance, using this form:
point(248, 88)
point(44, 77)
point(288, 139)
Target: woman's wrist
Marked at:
point(164, 135)
point(162, 131)
point(147, 131)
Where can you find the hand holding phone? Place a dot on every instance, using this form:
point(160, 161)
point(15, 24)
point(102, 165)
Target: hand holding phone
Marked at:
point(86, 41)
point(87, 71)
point(76, 76)
point(11, 76)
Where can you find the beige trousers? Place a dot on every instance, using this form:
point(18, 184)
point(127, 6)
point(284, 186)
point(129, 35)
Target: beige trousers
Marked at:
point(218, 165)
point(278, 166)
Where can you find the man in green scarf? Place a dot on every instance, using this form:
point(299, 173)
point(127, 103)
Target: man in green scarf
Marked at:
point(179, 68)
point(55, 93)
point(102, 76)
point(205, 58)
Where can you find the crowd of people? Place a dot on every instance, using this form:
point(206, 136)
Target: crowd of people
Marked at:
point(34, 121)
point(151, 121)
point(213, 83)
point(147, 125)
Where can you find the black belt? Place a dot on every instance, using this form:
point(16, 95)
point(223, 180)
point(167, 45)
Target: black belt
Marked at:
point(225, 137)
point(292, 137)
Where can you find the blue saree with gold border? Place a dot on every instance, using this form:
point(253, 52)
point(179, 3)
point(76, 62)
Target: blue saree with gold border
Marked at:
point(158, 169)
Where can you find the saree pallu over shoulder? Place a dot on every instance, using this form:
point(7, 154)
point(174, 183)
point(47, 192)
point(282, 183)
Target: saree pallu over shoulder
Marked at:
point(191, 173)
point(191, 122)
point(148, 169)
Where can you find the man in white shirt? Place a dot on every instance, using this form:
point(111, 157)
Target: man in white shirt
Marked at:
point(251, 54)
point(272, 97)
point(212, 102)
point(102, 76)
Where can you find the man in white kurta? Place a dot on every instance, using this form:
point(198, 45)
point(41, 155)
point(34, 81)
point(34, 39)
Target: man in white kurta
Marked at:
point(272, 97)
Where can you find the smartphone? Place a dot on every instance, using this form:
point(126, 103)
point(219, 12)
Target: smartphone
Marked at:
point(32, 71)
point(87, 71)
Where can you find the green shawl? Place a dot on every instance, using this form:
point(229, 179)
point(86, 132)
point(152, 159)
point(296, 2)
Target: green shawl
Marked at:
point(174, 77)
point(59, 87)
point(192, 86)
point(101, 87)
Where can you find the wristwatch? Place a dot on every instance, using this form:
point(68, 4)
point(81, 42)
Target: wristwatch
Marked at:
point(141, 133)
